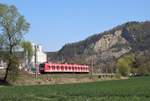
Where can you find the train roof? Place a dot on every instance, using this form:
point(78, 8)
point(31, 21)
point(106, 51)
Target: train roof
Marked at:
point(66, 64)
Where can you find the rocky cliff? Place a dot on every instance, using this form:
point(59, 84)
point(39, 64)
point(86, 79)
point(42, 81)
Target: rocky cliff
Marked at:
point(105, 48)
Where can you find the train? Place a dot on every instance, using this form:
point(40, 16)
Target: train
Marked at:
point(63, 68)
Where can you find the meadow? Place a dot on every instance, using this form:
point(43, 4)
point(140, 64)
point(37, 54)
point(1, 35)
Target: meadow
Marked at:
point(132, 89)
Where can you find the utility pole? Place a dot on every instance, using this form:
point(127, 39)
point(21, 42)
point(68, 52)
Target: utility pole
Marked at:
point(62, 59)
point(35, 60)
point(92, 65)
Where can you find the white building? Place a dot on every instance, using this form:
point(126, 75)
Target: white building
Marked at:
point(39, 56)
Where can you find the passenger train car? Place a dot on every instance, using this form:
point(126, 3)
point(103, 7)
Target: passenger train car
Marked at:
point(63, 68)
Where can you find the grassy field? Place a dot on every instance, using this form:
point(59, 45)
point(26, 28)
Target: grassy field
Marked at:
point(133, 89)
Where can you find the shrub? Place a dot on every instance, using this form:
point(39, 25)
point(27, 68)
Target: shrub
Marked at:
point(124, 64)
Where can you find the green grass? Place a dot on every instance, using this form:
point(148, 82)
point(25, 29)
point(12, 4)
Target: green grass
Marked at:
point(133, 89)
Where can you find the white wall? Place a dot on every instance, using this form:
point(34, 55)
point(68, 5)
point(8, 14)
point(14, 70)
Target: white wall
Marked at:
point(2, 64)
point(40, 55)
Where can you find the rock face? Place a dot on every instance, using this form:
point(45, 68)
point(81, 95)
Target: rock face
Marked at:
point(107, 41)
point(104, 48)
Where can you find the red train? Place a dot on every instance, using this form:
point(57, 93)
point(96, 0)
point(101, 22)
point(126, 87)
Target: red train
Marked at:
point(63, 68)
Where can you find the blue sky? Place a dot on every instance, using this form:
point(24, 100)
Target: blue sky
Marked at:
point(57, 22)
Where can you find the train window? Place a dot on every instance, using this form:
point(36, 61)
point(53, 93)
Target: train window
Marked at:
point(42, 65)
point(57, 67)
point(53, 68)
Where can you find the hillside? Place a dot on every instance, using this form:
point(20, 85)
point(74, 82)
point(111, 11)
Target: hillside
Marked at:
point(107, 47)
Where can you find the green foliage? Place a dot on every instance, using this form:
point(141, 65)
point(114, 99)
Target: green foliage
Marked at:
point(12, 28)
point(141, 64)
point(134, 26)
point(124, 64)
point(1, 42)
point(134, 89)
point(28, 51)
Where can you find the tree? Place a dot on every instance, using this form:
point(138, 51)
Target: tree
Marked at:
point(124, 64)
point(142, 63)
point(1, 42)
point(12, 28)
point(28, 52)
